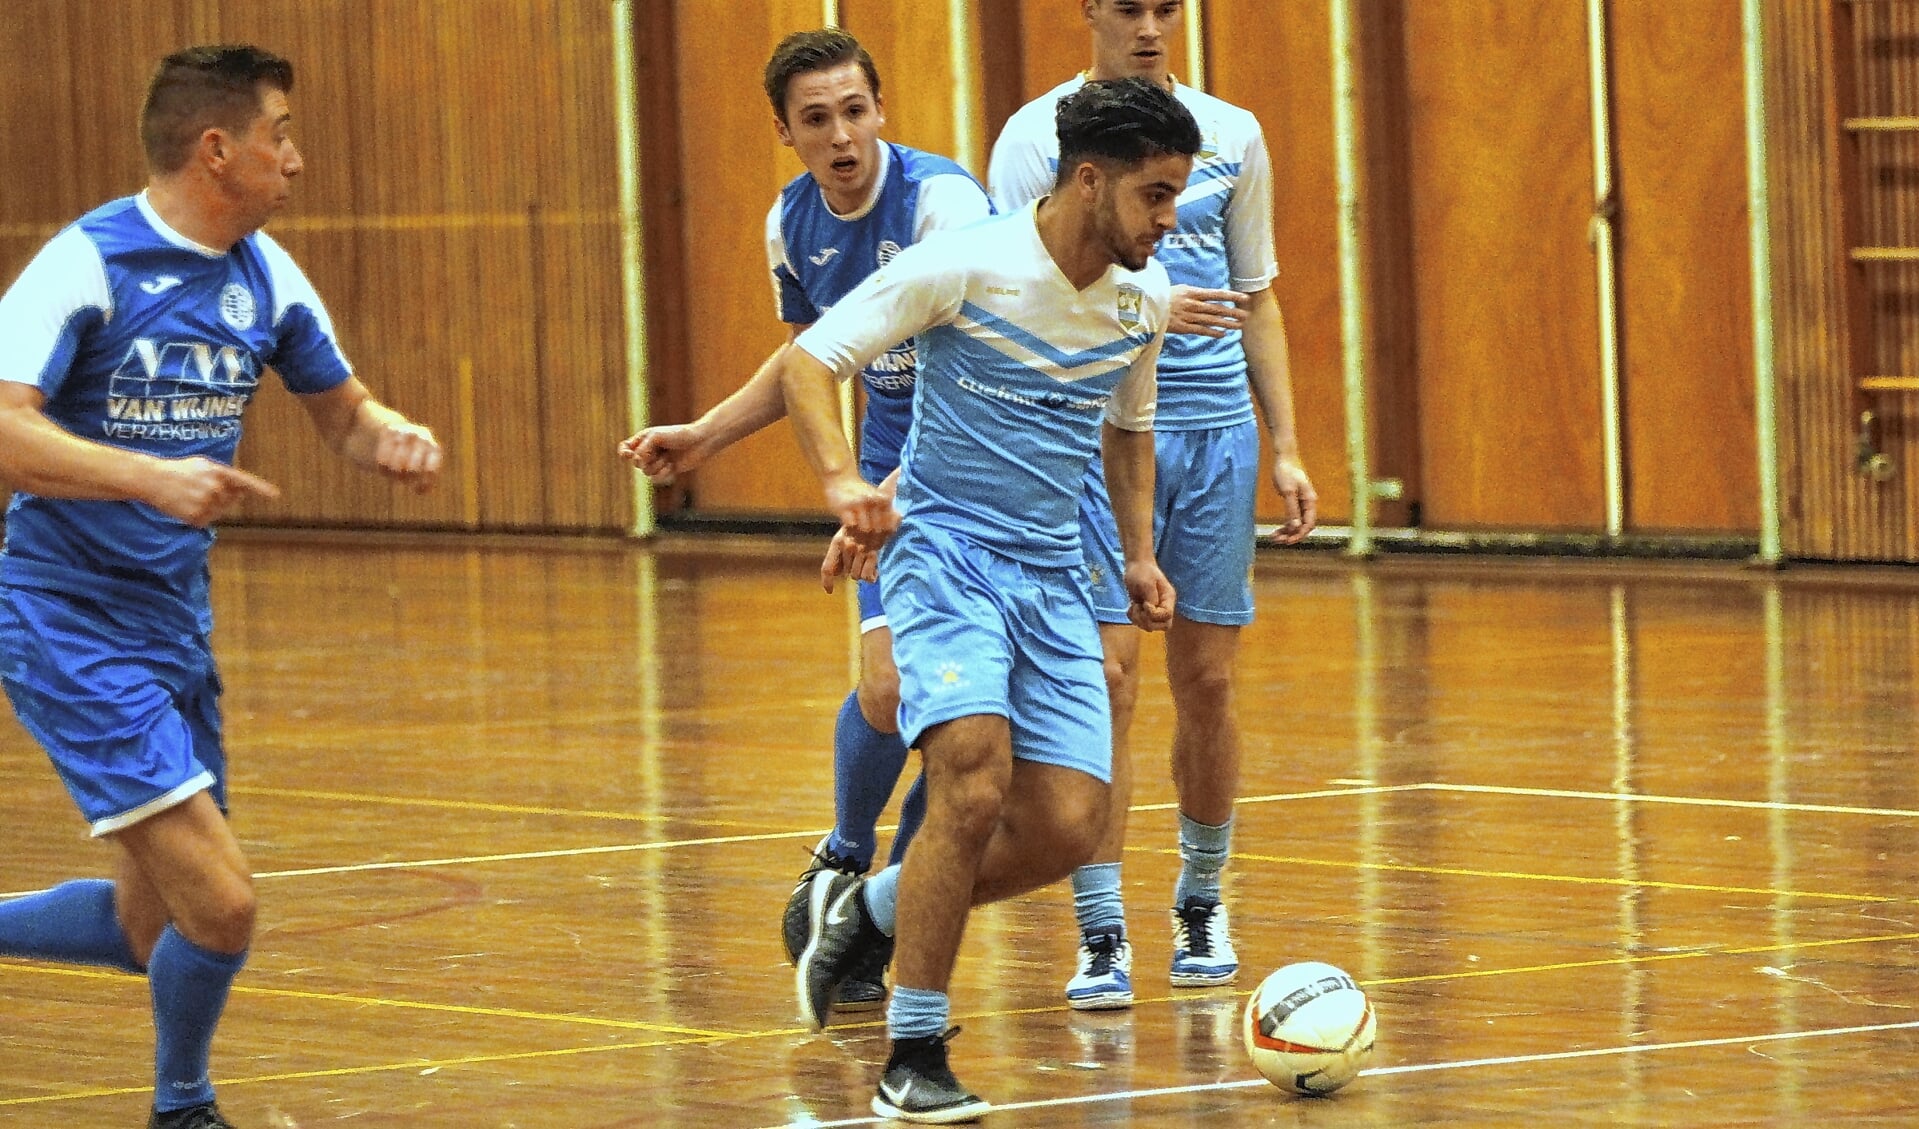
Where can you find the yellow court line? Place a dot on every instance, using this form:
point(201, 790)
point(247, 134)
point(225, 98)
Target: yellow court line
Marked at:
point(1682, 801)
point(462, 805)
point(381, 1001)
point(518, 1056)
point(1524, 876)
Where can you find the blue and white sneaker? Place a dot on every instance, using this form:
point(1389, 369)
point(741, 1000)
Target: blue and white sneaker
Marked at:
point(1104, 981)
point(1203, 953)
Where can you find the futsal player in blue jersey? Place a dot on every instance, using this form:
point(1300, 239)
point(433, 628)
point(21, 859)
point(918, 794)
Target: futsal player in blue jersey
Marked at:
point(129, 348)
point(1038, 333)
point(859, 203)
point(1226, 335)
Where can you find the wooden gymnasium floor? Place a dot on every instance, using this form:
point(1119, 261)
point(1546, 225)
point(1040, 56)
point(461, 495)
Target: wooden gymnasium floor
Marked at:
point(1608, 845)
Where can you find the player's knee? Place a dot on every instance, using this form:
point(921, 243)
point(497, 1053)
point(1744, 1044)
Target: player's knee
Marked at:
point(1205, 688)
point(1079, 825)
point(225, 919)
point(879, 694)
point(971, 803)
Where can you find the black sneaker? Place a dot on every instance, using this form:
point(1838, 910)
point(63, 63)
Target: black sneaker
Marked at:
point(793, 924)
point(865, 986)
point(193, 1117)
point(918, 1086)
point(839, 934)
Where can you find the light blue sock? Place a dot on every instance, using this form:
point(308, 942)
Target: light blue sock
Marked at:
point(189, 991)
point(881, 895)
point(916, 1013)
point(866, 765)
point(73, 922)
point(1203, 851)
point(1096, 898)
point(912, 814)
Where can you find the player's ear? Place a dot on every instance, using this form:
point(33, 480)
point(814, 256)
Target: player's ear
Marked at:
point(1087, 177)
point(214, 148)
point(786, 135)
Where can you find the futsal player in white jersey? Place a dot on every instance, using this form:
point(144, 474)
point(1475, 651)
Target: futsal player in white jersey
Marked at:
point(1038, 335)
point(1226, 335)
point(129, 347)
point(860, 201)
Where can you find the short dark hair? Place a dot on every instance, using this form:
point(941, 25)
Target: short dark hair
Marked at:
point(1122, 121)
point(202, 88)
point(805, 51)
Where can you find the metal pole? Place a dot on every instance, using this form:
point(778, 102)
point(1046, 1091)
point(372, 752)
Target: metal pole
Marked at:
point(632, 248)
point(1196, 43)
point(1759, 213)
point(966, 122)
point(1352, 291)
point(1602, 232)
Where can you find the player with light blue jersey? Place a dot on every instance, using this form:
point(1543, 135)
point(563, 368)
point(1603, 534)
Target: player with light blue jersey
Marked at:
point(1226, 344)
point(1038, 333)
point(129, 349)
point(860, 202)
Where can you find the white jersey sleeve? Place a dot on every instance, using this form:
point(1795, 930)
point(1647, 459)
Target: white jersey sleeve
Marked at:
point(947, 202)
point(308, 355)
point(919, 289)
point(1020, 170)
point(1135, 399)
point(1250, 256)
point(38, 319)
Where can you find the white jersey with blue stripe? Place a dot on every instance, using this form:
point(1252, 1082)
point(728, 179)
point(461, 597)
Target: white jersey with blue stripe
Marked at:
point(818, 256)
point(1017, 372)
point(140, 338)
point(1224, 240)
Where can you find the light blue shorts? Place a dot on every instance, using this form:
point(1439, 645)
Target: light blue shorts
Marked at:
point(131, 722)
point(975, 632)
point(1203, 490)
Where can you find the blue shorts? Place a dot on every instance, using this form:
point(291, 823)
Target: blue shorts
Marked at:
point(872, 611)
point(975, 632)
point(131, 722)
point(1203, 490)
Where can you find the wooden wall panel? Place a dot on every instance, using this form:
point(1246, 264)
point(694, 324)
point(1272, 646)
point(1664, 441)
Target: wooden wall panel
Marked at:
point(1281, 70)
point(456, 213)
point(1684, 268)
point(1829, 509)
point(732, 324)
point(1507, 335)
point(911, 45)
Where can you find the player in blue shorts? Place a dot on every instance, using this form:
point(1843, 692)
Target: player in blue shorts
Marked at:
point(1039, 333)
point(129, 347)
point(860, 201)
point(1226, 332)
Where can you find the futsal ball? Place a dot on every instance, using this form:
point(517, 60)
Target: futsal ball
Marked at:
point(1309, 1028)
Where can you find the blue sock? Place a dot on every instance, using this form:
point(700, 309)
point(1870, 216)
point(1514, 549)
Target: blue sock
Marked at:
point(1203, 850)
point(866, 765)
point(189, 991)
point(881, 895)
point(73, 922)
point(1096, 898)
point(912, 814)
point(916, 1013)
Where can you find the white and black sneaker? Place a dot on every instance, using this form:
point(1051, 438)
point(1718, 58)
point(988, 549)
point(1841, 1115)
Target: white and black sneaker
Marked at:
point(1203, 953)
point(918, 1086)
point(1104, 981)
point(793, 924)
point(840, 934)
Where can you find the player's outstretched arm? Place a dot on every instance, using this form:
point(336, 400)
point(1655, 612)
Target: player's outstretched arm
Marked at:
point(1271, 374)
point(38, 456)
point(864, 512)
point(1128, 460)
point(373, 436)
point(846, 557)
point(663, 453)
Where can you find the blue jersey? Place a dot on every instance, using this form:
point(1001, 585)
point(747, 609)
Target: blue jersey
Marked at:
point(142, 339)
point(1017, 371)
point(818, 256)
point(1224, 240)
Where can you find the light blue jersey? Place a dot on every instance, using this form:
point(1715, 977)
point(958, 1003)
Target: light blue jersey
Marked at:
point(1224, 240)
point(1017, 371)
point(818, 256)
point(142, 339)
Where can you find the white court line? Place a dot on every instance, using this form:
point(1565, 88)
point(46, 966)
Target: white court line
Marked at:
point(1410, 1068)
point(1693, 801)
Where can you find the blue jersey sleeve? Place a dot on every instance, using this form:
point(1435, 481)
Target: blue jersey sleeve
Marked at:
point(789, 297)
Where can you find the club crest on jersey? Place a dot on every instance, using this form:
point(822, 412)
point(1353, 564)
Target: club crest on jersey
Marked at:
point(1131, 299)
point(888, 249)
point(236, 306)
point(1208, 146)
